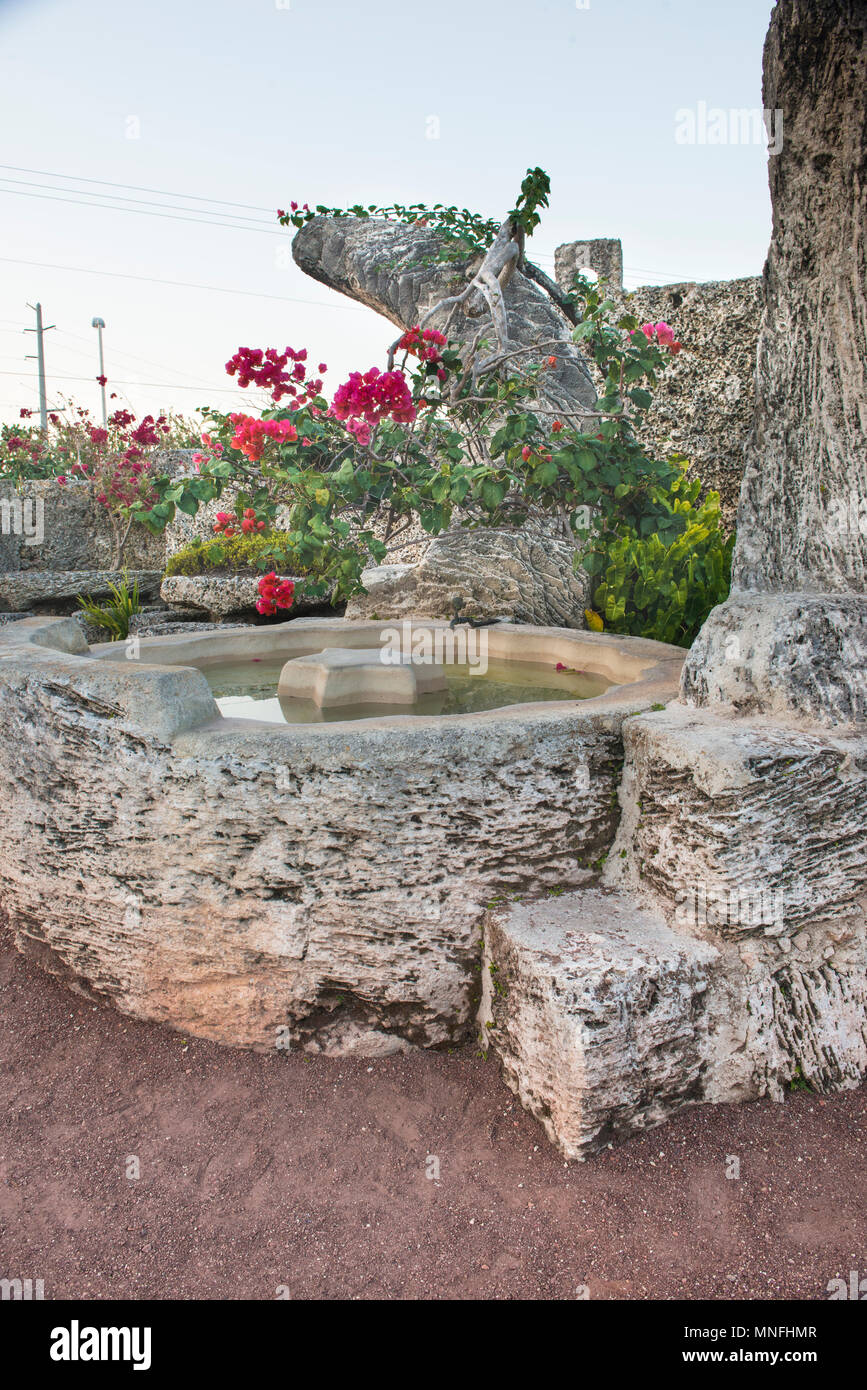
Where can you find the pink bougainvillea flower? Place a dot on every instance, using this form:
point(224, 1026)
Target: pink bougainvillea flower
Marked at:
point(250, 435)
point(373, 397)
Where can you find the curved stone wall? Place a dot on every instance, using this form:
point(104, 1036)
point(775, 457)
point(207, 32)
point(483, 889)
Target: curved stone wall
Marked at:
point(315, 886)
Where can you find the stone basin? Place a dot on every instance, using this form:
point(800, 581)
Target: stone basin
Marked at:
point(345, 676)
point(314, 886)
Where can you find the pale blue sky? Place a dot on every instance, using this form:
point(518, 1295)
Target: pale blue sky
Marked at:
point(259, 101)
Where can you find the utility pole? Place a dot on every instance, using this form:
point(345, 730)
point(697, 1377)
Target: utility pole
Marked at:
point(99, 325)
point(40, 359)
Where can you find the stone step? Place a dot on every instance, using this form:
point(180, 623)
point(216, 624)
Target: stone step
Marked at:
point(596, 1009)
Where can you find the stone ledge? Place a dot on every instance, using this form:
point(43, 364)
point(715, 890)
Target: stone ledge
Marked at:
point(24, 589)
point(224, 595)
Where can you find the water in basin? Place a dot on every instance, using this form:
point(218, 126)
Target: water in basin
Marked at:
point(248, 690)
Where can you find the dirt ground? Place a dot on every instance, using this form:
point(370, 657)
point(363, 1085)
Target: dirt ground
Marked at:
point(310, 1175)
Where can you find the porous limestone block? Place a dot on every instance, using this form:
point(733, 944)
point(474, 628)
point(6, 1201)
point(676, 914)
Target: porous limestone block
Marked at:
point(746, 826)
point(596, 1009)
point(752, 835)
point(320, 886)
point(344, 676)
point(525, 574)
point(797, 657)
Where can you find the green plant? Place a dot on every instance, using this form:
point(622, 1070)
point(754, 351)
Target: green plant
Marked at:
point(114, 616)
point(235, 554)
point(651, 587)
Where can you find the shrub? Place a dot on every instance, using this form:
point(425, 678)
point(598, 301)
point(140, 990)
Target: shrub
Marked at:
point(664, 589)
point(233, 555)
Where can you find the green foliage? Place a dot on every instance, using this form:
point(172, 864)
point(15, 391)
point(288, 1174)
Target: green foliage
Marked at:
point(534, 194)
point(114, 616)
point(234, 555)
point(460, 233)
point(652, 587)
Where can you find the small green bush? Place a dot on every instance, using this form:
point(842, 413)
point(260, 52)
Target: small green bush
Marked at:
point(235, 555)
point(662, 588)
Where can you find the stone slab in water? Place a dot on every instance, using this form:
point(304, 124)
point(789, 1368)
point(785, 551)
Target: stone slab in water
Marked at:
point(345, 676)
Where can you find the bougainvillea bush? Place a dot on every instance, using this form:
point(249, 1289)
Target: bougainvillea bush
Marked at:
point(327, 480)
point(116, 459)
point(421, 441)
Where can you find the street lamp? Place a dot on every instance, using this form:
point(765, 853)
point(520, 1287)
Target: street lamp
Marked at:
point(99, 325)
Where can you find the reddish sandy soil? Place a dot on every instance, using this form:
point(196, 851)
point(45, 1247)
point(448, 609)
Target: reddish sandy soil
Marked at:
point(261, 1171)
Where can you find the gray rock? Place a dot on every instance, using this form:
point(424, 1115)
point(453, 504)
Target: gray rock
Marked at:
point(524, 574)
point(596, 1009)
point(31, 588)
point(753, 835)
point(728, 955)
point(224, 596)
point(802, 524)
point(233, 879)
point(75, 531)
point(392, 267)
point(793, 656)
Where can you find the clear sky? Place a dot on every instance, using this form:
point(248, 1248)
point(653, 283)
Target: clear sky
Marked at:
point(254, 102)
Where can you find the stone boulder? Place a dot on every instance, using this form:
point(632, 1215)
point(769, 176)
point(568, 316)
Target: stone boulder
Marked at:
point(224, 595)
point(596, 1010)
point(28, 589)
point(526, 575)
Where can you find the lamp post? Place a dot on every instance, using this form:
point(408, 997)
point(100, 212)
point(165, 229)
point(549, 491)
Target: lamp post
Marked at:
point(99, 325)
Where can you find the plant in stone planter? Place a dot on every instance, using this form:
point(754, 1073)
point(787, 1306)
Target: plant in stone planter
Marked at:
point(235, 554)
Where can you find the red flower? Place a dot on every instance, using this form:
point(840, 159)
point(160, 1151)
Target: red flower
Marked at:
point(274, 593)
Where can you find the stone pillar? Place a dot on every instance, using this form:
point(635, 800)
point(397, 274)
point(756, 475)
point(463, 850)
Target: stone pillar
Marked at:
point(603, 255)
point(792, 638)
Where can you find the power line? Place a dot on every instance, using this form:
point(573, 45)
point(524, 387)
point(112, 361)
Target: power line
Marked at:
point(130, 356)
point(152, 385)
point(137, 212)
point(145, 202)
point(137, 188)
point(185, 284)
